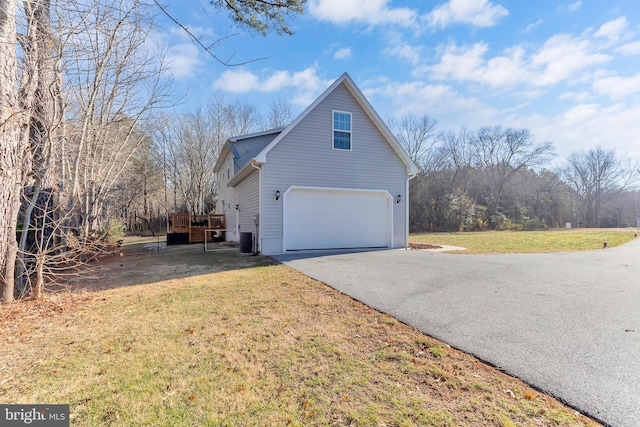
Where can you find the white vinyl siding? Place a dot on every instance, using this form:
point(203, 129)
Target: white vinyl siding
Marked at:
point(247, 198)
point(223, 201)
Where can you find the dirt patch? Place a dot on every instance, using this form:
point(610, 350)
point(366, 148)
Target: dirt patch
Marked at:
point(144, 263)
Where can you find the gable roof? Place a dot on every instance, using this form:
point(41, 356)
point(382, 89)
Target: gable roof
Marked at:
point(246, 147)
point(245, 160)
point(345, 79)
point(256, 134)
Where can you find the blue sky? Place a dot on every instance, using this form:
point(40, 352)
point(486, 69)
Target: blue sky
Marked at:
point(567, 71)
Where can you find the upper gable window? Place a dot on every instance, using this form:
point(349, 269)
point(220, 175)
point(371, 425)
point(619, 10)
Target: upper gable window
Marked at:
point(341, 130)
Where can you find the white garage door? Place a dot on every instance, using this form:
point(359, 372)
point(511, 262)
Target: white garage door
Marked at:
point(336, 219)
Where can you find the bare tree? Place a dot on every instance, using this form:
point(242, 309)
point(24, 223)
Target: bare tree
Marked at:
point(259, 16)
point(114, 83)
point(279, 113)
point(457, 154)
point(417, 135)
point(136, 200)
point(111, 83)
point(540, 195)
point(242, 118)
point(498, 154)
point(39, 94)
point(51, 261)
point(467, 178)
point(190, 148)
point(595, 176)
point(90, 63)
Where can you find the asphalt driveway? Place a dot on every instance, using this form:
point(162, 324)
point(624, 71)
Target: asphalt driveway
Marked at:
point(568, 324)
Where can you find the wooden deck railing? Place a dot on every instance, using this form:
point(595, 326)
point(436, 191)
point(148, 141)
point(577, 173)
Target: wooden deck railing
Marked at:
point(197, 226)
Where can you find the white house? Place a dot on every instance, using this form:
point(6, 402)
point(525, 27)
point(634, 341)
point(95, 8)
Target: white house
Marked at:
point(334, 178)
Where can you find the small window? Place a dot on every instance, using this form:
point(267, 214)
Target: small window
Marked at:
point(341, 130)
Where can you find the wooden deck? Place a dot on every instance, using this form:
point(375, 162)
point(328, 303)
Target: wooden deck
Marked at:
point(199, 227)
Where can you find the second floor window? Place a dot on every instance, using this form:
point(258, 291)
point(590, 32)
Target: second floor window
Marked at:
point(341, 130)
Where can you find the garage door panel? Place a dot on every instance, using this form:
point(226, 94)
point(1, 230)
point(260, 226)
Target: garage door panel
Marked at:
point(332, 219)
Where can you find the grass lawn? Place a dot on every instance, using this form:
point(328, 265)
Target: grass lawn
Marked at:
point(182, 337)
point(583, 239)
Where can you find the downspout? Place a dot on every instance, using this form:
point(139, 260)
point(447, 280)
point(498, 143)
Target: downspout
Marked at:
point(260, 217)
point(406, 210)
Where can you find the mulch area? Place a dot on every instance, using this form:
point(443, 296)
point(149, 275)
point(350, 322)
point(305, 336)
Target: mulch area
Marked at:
point(416, 245)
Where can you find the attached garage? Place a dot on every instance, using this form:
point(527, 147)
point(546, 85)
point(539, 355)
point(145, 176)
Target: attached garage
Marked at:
point(335, 218)
point(334, 178)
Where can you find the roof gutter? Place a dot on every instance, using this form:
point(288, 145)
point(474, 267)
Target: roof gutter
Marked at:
point(257, 166)
point(244, 172)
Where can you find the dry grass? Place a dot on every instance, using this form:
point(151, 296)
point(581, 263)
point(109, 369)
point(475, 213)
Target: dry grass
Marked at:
point(247, 343)
point(583, 239)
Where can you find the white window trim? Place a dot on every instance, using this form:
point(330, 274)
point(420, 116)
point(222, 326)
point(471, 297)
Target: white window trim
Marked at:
point(333, 129)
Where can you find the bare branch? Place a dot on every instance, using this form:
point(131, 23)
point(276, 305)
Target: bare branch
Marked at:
point(209, 48)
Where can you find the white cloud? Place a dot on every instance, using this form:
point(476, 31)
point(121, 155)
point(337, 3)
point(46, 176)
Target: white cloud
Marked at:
point(370, 12)
point(480, 13)
point(583, 126)
point(580, 115)
point(614, 30)
point(618, 87)
point(468, 63)
point(575, 96)
point(275, 82)
point(442, 102)
point(199, 32)
point(342, 53)
point(563, 57)
point(183, 60)
point(632, 48)
point(409, 53)
point(572, 7)
point(183, 57)
point(587, 126)
point(237, 81)
point(460, 62)
point(533, 25)
point(306, 83)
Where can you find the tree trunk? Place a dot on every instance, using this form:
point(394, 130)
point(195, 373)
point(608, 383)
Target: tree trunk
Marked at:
point(20, 268)
point(39, 285)
point(11, 149)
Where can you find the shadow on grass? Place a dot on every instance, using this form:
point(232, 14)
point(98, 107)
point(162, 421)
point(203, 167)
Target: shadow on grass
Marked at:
point(152, 262)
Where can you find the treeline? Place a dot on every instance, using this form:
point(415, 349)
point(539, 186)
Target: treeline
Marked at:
point(186, 148)
point(498, 178)
point(82, 85)
point(86, 152)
